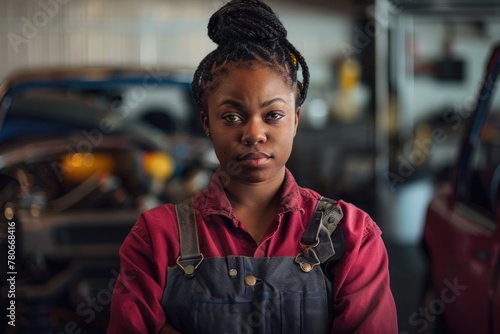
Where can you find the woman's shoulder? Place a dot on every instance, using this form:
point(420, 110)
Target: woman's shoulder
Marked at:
point(159, 220)
point(356, 223)
point(159, 212)
point(355, 220)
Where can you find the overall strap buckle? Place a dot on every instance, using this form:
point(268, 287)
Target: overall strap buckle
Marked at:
point(189, 266)
point(318, 241)
point(190, 257)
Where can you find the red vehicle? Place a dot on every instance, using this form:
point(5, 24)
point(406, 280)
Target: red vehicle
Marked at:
point(462, 234)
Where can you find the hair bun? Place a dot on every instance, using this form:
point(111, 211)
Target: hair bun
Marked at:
point(245, 20)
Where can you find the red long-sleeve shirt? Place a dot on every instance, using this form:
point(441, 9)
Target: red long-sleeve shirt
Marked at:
point(363, 302)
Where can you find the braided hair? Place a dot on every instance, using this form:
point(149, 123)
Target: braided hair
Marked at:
point(249, 31)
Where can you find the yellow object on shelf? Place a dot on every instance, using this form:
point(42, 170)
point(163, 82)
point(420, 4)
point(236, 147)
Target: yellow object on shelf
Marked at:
point(159, 165)
point(80, 166)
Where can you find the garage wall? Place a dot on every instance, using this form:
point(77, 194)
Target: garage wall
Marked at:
point(167, 33)
point(470, 44)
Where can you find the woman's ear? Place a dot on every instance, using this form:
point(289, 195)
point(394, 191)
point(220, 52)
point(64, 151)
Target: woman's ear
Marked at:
point(297, 116)
point(204, 122)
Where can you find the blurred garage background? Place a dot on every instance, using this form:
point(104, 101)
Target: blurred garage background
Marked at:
point(381, 125)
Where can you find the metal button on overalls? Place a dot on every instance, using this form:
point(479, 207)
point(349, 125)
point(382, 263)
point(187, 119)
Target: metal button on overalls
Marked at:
point(250, 280)
point(233, 273)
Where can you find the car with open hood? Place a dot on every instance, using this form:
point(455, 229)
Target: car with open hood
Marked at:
point(83, 152)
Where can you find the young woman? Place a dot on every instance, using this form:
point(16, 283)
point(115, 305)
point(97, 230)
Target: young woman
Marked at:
point(254, 253)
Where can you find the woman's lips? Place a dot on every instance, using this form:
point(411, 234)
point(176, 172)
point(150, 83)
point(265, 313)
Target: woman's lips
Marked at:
point(254, 159)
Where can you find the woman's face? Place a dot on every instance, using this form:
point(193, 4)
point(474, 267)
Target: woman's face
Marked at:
point(252, 120)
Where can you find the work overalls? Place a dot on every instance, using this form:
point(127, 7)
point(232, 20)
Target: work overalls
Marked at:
point(238, 294)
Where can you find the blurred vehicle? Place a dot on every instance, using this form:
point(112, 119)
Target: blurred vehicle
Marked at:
point(82, 153)
point(462, 227)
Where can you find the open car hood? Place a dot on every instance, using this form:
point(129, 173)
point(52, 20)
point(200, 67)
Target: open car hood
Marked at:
point(60, 102)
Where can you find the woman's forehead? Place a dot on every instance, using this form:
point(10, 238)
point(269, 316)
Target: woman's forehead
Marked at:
point(256, 78)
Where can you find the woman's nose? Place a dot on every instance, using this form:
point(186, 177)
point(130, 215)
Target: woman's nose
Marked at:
point(254, 133)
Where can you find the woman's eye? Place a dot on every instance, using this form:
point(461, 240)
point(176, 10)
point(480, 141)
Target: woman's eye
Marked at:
point(232, 118)
point(275, 116)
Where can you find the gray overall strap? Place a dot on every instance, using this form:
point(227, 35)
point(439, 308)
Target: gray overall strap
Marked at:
point(190, 257)
point(323, 239)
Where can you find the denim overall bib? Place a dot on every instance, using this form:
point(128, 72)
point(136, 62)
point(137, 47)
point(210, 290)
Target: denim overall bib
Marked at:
point(238, 294)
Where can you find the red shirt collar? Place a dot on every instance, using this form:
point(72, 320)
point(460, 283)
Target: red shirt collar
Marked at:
point(213, 201)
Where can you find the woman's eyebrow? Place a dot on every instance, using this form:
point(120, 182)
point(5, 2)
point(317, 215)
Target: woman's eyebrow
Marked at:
point(231, 102)
point(240, 105)
point(269, 102)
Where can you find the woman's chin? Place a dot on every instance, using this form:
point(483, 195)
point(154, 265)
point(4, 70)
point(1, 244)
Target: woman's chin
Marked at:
point(253, 175)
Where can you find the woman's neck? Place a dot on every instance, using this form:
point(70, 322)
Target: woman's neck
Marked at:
point(254, 195)
point(255, 204)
